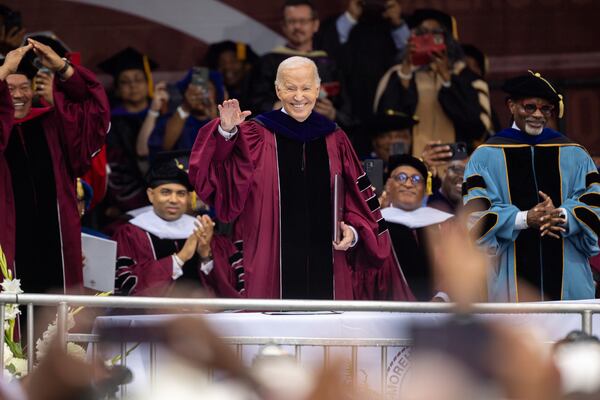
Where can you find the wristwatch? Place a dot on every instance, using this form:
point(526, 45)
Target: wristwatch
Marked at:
point(65, 67)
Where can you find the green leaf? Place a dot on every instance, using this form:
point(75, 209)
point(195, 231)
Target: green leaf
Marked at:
point(15, 347)
point(12, 369)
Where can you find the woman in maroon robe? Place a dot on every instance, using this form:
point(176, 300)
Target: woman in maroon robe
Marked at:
point(274, 176)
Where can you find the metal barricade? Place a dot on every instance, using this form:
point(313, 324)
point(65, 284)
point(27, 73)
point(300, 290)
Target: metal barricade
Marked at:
point(63, 302)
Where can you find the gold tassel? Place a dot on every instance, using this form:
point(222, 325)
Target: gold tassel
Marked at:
point(561, 104)
point(148, 73)
point(454, 28)
point(241, 51)
point(80, 191)
point(194, 200)
point(179, 165)
point(428, 188)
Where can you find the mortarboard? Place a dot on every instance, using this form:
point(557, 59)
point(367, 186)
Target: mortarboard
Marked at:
point(242, 51)
point(130, 58)
point(406, 159)
point(534, 85)
point(167, 169)
point(478, 56)
point(30, 60)
point(422, 14)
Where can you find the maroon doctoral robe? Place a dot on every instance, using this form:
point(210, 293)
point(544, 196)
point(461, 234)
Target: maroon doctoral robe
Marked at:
point(74, 129)
point(240, 179)
point(144, 267)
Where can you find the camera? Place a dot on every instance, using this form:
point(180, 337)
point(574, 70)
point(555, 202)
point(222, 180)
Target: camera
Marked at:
point(374, 169)
point(200, 78)
point(424, 46)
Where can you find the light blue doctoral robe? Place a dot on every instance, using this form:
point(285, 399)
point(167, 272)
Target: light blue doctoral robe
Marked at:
point(502, 178)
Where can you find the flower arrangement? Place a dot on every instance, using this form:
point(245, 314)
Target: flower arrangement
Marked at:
point(15, 362)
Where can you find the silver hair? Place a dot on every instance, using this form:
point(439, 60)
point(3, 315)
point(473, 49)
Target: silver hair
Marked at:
point(297, 62)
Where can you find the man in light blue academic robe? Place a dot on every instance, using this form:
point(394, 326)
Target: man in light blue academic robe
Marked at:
point(534, 198)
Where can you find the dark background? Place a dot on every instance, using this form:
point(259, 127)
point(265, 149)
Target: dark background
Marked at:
point(559, 38)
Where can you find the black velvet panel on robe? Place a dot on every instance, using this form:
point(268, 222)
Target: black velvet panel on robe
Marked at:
point(191, 269)
point(38, 257)
point(306, 219)
point(539, 260)
point(411, 249)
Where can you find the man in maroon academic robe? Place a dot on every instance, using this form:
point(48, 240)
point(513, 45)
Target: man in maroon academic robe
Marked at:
point(163, 248)
point(42, 152)
point(274, 177)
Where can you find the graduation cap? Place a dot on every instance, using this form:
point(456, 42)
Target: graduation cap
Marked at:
point(422, 14)
point(478, 55)
point(130, 58)
point(30, 64)
point(168, 169)
point(242, 51)
point(534, 85)
point(406, 159)
point(389, 120)
point(49, 38)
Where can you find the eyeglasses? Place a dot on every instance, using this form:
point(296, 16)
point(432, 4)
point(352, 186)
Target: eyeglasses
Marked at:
point(299, 21)
point(402, 178)
point(531, 108)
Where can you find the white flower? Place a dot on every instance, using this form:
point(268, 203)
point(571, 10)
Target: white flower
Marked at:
point(11, 311)
point(76, 351)
point(11, 286)
point(8, 355)
point(20, 366)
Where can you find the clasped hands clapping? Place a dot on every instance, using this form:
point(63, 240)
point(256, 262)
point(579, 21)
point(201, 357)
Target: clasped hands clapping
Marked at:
point(548, 219)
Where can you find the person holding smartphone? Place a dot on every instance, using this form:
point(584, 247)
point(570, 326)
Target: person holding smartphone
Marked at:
point(433, 83)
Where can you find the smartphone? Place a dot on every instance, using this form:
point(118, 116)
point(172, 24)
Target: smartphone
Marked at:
point(398, 148)
point(200, 77)
point(374, 169)
point(331, 89)
point(458, 150)
point(424, 46)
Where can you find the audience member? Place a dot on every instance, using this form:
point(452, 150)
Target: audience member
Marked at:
point(164, 245)
point(408, 220)
point(390, 134)
point(274, 176)
point(46, 149)
point(300, 22)
point(478, 62)
point(513, 183)
point(433, 83)
point(133, 87)
point(448, 197)
point(334, 32)
point(363, 51)
point(235, 62)
point(202, 90)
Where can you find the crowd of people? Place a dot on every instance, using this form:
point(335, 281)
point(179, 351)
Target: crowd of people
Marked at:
point(361, 160)
point(228, 178)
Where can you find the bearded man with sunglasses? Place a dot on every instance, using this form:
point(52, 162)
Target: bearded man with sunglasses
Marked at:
point(534, 197)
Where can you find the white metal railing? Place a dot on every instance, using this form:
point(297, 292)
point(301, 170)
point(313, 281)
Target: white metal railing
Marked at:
point(63, 302)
